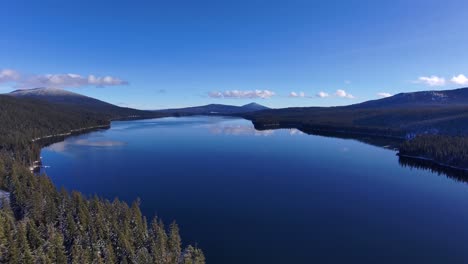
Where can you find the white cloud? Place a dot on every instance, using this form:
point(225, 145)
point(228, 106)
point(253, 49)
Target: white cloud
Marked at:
point(68, 80)
point(216, 94)
point(7, 75)
point(57, 80)
point(343, 94)
point(294, 94)
point(431, 80)
point(383, 95)
point(264, 94)
point(460, 79)
point(322, 94)
point(105, 81)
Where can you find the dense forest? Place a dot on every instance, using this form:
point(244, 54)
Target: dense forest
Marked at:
point(40, 224)
point(23, 120)
point(447, 150)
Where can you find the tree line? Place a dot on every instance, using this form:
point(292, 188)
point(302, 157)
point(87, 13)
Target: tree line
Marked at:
point(448, 150)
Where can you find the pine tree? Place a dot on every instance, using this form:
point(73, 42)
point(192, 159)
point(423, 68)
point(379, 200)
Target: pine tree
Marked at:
point(42, 258)
point(5, 230)
point(109, 256)
point(193, 255)
point(124, 247)
point(71, 230)
point(21, 241)
point(198, 256)
point(174, 243)
point(56, 250)
point(16, 195)
point(143, 257)
point(138, 226)
point(76, 254)
point(159, 243)
point(14, 253)
point(33, 235)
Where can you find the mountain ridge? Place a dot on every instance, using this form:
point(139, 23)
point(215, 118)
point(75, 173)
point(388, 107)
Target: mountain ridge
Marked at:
point(403, 115)
point(452, 97)
point(215, 109)
point(457, 96)
point(79, 101)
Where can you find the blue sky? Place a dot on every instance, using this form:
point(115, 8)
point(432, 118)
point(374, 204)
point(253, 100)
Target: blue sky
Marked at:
point(161, 54)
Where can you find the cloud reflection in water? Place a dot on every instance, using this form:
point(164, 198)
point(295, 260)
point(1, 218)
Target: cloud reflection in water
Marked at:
point(62, 146)
point(227, 128)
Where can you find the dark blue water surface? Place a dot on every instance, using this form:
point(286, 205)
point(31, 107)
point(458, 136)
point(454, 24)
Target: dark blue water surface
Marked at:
point(247, 196)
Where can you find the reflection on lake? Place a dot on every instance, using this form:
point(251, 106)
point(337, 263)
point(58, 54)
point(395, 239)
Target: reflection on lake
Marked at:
point(452, 173)
point(280, 196)
point(62, 146)
point(243, 129)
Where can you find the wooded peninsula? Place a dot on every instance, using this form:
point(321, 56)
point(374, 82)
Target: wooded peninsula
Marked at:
point(41, 224)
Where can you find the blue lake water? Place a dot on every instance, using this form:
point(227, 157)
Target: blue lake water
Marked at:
point(247, 196)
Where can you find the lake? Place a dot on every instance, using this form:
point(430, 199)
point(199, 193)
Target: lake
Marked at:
point(275, 196)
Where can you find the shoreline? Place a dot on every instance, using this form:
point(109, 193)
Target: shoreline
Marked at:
point(71, 132)
point(266, 126)
point(432, 161)
point(315, 129)
point(345, 132)
point(37, 164)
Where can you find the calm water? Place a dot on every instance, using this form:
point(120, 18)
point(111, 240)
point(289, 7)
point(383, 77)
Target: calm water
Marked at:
point(281, 196)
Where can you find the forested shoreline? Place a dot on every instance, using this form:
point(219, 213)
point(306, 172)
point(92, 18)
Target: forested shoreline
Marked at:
point(444, 150)
point(437, 133)
point(44, 225)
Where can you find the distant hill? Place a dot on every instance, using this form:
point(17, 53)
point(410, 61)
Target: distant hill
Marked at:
point(92, 105)
point(215, 109)
point(419, 99)
point(254, 107)
point(85, 103)
point(402, 115)
point(23, 119)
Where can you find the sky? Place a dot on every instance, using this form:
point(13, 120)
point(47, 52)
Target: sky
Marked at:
point(164, 54)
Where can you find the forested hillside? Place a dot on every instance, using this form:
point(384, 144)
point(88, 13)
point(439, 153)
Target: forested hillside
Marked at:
point(446, 150)
point(23, 120)
point(395, 122)
point(44, 225)
point(69, 99)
